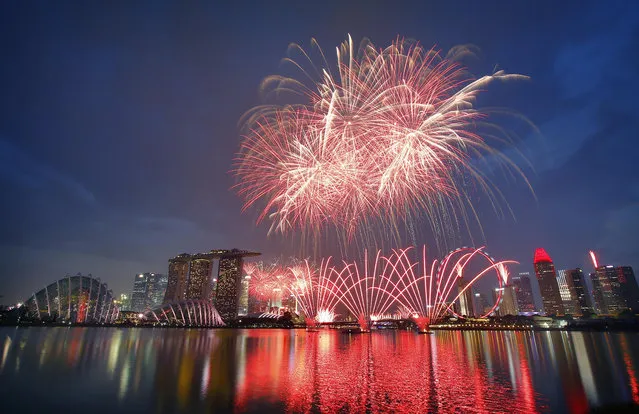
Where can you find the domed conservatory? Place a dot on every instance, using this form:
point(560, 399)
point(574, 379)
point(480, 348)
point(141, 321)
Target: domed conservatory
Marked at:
point(74, 299)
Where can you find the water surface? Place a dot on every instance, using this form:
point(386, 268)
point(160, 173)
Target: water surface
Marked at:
point(100, 370)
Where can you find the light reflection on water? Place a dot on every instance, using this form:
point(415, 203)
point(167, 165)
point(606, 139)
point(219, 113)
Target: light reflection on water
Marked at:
point(167, 371)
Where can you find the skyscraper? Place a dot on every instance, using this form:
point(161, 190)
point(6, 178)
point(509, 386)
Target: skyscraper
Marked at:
point(227, 297)
point(508, 304)
point(191, 276)
point(618, 287)
point(577, 284)
point(138, 296)
point(155, 289)
point(200, 271)
point(568, 294)
point(148, 291)
point(523, 293)
point(548, 286)
point(597, 294)
point(178, 277)
point(465, 299)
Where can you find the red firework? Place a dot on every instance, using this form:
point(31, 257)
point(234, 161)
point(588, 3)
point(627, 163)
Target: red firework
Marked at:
point(386, 139)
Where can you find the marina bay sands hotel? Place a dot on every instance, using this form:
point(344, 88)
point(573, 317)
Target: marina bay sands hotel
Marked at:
point(191, 278)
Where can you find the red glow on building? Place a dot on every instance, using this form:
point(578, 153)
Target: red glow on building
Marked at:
point(541, 256)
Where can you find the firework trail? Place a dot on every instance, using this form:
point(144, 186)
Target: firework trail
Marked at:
point(392, 136)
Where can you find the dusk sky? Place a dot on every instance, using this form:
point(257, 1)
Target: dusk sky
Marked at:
point(119, 124)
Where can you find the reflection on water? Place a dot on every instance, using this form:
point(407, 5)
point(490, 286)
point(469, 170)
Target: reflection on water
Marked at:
point(167, 371)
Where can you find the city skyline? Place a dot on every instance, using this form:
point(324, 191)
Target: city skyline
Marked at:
point(90, 124)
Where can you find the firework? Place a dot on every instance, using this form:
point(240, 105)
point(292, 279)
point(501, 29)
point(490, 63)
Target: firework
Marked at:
point(425, 297)
point(312, 293)
point(392, 135)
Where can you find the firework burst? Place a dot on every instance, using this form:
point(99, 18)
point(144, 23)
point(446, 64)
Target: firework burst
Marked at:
point(391, 136)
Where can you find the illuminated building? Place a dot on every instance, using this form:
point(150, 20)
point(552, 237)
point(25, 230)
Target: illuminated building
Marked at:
point(523, 293)
point(228, 290)
point(618, 289)
point(148, 291)
point(125, 302)
point(178, 276)
point(548, 286)
point(465, 299)
point(138, 296)
point(508, 304)
point(597, 294)
point(191, 278)
point(155, 289)
point(244, 296)
point(481, 304)
point(568, 294)
point(198, 313)
point(199, 282)
point(74, 299)
point(579, 292)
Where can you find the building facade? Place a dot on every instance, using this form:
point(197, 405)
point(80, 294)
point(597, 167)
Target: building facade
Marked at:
point(577, 284)
point(523, 293)
point(508, 305)
point(548, 286)
point(465, 298)
point(568, 294)
point(618, 290)
point(148, 291)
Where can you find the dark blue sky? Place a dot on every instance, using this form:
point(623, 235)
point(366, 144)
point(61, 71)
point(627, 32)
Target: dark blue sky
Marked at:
point(118, 124)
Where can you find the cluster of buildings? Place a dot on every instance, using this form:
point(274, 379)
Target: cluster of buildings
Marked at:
point(213, 277)
point(613, 289)
point(217, 278)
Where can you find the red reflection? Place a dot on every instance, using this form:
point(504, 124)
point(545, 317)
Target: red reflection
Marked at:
point(634, 386)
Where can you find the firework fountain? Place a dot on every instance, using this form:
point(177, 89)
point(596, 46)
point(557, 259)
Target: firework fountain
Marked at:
point(312, 293)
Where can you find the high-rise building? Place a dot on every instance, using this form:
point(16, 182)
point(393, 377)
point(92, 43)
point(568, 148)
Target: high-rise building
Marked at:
point(244, 296)
point(568, 294)
point(155, 289)
point(138, 296)
point(508, 304)
point(597, 294)
point(465, 298)
point(191, 277)
point(227, 297)
point(548, 286)
point(618, 289)
point(579, 292)
point(148, 291)
point(200, 271)
point(481, 305)
point(178, 278)
point(523, 293)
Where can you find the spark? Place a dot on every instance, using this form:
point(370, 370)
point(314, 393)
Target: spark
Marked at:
point(394, 134)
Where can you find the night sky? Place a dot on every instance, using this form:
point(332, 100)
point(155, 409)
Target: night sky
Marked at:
point(119, 123)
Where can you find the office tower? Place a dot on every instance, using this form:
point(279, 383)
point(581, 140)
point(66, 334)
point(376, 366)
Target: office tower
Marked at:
point(465, 298)
point(577, 285)
point(178, 277)
point(597, 295)
point(481, 305)
point(155, 289)
point(568, 294)
point(523, 293)
point(508, 305)
point(244, 296)
point(138, 296)
point(618, 287)
point(548, 286)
